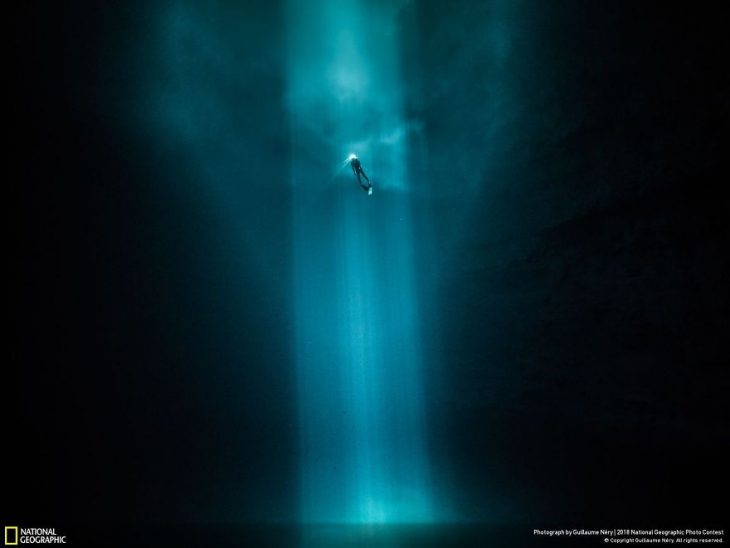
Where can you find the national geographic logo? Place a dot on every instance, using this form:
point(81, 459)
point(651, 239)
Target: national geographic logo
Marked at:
point(32, 535)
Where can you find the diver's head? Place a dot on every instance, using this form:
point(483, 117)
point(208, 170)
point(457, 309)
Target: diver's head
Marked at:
point(351, 157)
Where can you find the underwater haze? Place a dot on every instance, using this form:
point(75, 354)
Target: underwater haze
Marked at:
point(220, 337)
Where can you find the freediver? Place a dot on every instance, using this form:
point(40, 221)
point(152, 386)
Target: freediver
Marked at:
point(359, 173)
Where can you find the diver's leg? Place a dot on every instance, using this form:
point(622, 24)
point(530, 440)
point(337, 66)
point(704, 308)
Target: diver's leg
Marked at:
point(359, 180)
point(367, 188)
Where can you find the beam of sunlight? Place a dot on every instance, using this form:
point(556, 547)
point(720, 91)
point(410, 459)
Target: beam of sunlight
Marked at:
point(358, 344)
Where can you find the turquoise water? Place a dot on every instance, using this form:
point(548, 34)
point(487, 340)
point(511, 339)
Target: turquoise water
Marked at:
point(359, 352)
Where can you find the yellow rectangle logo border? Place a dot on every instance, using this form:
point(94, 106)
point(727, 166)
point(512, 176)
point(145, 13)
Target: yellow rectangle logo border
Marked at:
point(8, 528)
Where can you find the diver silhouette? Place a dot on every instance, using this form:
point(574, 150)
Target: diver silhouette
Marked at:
point(360, 173)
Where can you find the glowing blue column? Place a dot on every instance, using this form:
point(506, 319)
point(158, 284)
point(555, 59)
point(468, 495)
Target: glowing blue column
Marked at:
point(362, 433)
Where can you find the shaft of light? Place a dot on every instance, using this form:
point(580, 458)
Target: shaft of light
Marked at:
point(363, 455)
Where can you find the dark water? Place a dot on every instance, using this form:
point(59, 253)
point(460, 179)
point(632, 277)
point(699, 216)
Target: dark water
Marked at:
point(570, 219)
point(316, 536)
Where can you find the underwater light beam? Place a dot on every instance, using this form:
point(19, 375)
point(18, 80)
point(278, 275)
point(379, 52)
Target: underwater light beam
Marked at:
point(363, 455)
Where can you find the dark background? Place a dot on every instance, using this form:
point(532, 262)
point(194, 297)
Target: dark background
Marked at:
point(579, 299)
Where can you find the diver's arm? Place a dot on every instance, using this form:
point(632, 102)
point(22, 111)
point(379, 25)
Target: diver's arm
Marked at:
point(353, 168)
